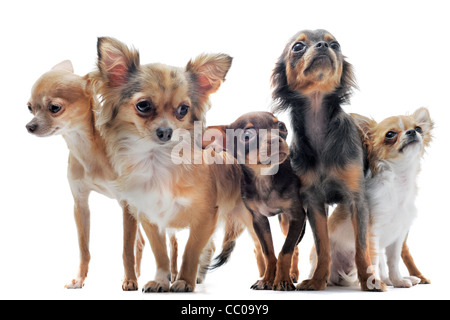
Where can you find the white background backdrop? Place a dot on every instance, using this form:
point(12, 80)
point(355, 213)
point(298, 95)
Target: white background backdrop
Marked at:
point(400, 51)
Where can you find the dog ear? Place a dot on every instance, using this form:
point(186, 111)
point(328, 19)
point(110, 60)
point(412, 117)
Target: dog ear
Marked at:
point(209, 71)
point(66, 65)
point(116, 61)
point(219, 133)
point(422, 116)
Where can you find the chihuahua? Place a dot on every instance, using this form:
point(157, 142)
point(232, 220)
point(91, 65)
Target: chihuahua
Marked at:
point(395, 147)
point(62, 103)
point(312, 80)
point(142, 112)
point(263, 141)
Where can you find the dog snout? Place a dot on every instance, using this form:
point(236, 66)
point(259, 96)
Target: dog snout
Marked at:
point(411, 133)
point(164, 134)
point(31, 127)
point(321, 46)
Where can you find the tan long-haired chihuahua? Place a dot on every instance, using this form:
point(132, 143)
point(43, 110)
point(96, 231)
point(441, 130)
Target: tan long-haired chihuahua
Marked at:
point(62, 104)
point(142, 108)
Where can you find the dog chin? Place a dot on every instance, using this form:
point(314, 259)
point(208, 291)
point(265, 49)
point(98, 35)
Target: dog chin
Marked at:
point(48, 133)
point(411, 146)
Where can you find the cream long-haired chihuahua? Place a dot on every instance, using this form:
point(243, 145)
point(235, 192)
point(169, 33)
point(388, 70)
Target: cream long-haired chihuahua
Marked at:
point(141, 108)
point(62, 104)
point(395, 147)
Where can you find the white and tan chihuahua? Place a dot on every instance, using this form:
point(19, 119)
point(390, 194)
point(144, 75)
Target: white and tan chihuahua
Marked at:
point(395, 147)
point(62, 104)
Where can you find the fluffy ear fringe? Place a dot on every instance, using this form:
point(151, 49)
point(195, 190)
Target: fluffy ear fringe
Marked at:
point(422, 116)
point(209, 71)
point(116, 61)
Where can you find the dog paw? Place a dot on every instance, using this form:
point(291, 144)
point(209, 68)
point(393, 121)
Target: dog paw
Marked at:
point(181, 286)
point(283, 286)
point(294, 277)
point(129, 285)
point(262, 285)
point(373, 284)
point(155, 286)
point(312, 285)
point(406, 282)
point(75, 284)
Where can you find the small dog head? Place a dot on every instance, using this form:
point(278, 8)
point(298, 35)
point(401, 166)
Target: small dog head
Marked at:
point(396, 138)
point(256, 138)
point(151, 101)
point(312, 61)
point(58, 98)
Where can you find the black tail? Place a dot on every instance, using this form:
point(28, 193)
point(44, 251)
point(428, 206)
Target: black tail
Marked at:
point(224, 256)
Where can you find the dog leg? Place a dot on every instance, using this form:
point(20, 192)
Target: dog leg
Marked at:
point(262, 228)
point(317, 217)
point(360, 220)
point(173, 256)
point(129, 239)
point(409, 262)
point(393, 253)
point(157, 241)
point(82, 220)
point(283, 280)
point(139, 247)
point(205, 260)
point(199, 235)
point(294, 271)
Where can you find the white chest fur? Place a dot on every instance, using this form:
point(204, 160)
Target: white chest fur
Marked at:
point(391, 195)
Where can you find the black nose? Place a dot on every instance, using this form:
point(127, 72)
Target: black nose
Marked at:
point(31, 127)
point(322, 46)
point(164, 134)
point(411, 133)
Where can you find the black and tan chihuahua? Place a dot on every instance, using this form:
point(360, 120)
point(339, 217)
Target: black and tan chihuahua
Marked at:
point(269, 187)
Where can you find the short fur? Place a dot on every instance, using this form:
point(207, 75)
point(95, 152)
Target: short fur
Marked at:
point(268, 195)
point(311, 81)
point(396, 146)
point(141, 107)
point(62, 103)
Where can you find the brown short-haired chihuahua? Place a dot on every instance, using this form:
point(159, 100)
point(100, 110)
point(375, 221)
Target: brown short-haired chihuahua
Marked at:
point(269, 187)
point(311, 80)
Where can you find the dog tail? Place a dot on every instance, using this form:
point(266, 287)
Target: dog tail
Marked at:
point(232, 231)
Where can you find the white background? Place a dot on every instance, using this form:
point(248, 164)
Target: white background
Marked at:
point(400, 51)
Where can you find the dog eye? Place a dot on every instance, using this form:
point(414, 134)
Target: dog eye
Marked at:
point(298, 47)
point(144, 106)
point(418, 129)
point(282, 127)
point(248, 135)
point(30, 108)
point(335, 45)
point(182, 111)
point(391, 135)
point(54, 108)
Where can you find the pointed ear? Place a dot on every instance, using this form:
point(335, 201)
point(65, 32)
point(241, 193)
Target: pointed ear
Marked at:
point(422, 116)
point(66, 65)
point(116, 61)
point(215, 137)
point(366, 128)
point(365, 125)
point(209, 71)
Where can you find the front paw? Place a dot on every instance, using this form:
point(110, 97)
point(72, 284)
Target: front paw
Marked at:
point(312, 285)
point(129, 285)
point(262, 285)
point(77, 283)
point(181, 286)
point(156, 286)
point(284, 286)
point(406, 282)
